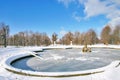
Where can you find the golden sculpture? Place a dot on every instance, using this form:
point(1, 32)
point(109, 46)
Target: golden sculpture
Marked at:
point(86, 49)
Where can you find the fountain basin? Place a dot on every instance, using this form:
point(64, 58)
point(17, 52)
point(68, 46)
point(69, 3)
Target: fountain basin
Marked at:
point(52, 56)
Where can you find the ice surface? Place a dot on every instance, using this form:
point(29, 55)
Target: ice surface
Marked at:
point(65, 60)
point(109, 74)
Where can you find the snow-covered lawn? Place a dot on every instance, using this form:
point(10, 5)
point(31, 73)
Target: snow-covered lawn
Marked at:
point(109, 74)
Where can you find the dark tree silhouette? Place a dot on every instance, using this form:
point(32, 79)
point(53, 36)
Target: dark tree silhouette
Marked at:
point(4, 33)
point(116, 35)
point(67, 38)
point(91, 37)
point(76, 38)
point(106, 35)
point(54, 38)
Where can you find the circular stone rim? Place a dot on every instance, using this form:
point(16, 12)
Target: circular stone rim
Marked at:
point(9, 67)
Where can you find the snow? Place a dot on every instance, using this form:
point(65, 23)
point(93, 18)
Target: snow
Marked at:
point(109, 73)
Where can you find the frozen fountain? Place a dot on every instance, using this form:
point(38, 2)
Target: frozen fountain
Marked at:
point(63, 62)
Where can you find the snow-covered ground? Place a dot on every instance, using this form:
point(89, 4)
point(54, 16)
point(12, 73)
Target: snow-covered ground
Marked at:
point(109, 74)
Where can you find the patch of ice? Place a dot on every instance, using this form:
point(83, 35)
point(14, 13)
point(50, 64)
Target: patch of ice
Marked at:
point(81, 59)
point(3, 78)
point(57, 57)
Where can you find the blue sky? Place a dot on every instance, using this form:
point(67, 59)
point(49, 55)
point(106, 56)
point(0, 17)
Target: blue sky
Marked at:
point(59, 16)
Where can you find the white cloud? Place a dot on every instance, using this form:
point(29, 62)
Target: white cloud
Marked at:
point(114, 22)
point(66, 2)
point(82, 1)
point(92, 8)
point(76, 16)
point(116, 2)
point(62, 32)
point(109, 8)
point(115, 13)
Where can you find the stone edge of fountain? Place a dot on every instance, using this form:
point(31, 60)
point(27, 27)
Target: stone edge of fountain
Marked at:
point(7, 65)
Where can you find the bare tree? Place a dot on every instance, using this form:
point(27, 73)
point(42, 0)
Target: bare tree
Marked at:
point(45, 39)
point(70, 37)
point(106, 35)
point(11, 40)
point(63, 40)
point(76, 38)
point(82, 38)
point(4, 33)
point(29, 39)
point(67, 38)
point(91, 37)
point(54, 38)
point(116, 35)
point(16, 40)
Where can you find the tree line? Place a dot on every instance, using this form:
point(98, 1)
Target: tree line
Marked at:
point(4, 34)
point(109, 36)
point(29, 38)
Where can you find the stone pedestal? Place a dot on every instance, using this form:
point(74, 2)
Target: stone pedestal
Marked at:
point(70, 42)
point(54, 43)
